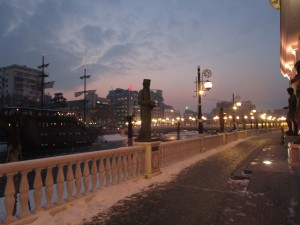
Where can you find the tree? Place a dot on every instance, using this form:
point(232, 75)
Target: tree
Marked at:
point(58, 101)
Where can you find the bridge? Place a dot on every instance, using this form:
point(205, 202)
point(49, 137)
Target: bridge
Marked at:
point(47, 185)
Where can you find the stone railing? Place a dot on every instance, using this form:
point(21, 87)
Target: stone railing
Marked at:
point(175, 151)
point(214, 141)
point(44, 183)
point(58, 180)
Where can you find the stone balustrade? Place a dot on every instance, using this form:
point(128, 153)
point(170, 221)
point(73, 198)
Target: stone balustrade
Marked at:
point(175, 151)
point(57, 180)
point(214, 141)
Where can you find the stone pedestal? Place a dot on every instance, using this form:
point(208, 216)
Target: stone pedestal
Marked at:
point(291, 139)
point(152, 167)
point(294, 154)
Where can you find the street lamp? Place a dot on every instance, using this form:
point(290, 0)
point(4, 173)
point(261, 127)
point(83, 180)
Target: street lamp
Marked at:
point(245, 122)
point(252, 117)
point(202, 86)
point(263, 117)
point(235, 104)
point(84, 93)
point(237, 122)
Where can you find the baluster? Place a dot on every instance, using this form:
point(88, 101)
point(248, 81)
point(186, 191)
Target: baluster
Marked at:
point(49, 187)
point(107, 172)
point(101, 172)
point(174, 158)
point(78, 179)
point(37, 190)
point(70, 183)
point(139, 163)
point(119, 166)
point(170, 153)
point(9, 200)
point(86, 176)
point(134, 163)
point(177, 155)
point(23, 189)
point(125, 165)
point(114, 169)
point(129, 165)
point(60, 184)
point(94, 175)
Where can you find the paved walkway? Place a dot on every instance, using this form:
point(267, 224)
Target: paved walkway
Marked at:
point(217, 191)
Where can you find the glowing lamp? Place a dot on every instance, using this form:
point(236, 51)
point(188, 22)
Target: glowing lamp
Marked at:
point(208, 85)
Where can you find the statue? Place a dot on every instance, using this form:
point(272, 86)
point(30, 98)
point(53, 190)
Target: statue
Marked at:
point(290, 119)
point(296, 83)
point(146, 104)
point(130, 129)
point(222, 120)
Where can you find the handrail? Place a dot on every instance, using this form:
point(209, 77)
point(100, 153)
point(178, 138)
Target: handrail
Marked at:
point(66, 177)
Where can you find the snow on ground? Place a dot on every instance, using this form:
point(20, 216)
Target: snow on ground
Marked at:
point(113, 137)
point(75, 212)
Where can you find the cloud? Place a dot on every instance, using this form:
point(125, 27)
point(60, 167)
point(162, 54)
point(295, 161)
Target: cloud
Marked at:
point(119, 38)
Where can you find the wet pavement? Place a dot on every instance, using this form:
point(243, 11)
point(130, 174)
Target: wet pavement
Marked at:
point(250, 183)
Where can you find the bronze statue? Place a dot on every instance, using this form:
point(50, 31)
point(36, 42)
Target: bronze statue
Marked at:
point(146, 104)
point(290, 119)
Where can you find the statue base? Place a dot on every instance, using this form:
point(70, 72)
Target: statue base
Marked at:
point(152, 156)
point(294, 154)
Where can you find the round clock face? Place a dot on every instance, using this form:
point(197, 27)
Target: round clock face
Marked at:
point(275, 4)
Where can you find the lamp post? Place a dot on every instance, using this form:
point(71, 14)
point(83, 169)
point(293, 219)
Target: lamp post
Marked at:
point(43, 75)
point(201, 86)
point(263, 117)
point(84, 93)
point(235, 104)
point(237, 122)
point(221, 117)
point(252, 112)
point(245, 122)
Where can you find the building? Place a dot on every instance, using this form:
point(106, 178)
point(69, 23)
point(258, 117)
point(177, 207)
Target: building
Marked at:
point(157, 97)
point(170, 112)
point(20, 86)
point(227, 108)
point(190, 117)
point(98, 110)
point(244, 109)
point(289, 38)
point(124, 102)
point(289, 35)
point(103, 112)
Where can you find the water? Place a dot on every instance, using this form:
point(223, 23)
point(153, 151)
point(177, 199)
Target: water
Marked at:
point(103, 142)
point(184, 134)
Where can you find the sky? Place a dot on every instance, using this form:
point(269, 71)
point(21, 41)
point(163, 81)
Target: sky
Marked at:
point(120, 43)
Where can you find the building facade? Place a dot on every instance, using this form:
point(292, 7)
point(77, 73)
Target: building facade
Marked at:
point(98, 110)
point(124, 102)
point(157, 97)
point(20, 86)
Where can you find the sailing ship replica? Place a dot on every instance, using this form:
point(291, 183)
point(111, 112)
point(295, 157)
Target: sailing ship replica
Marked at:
point(43, 132)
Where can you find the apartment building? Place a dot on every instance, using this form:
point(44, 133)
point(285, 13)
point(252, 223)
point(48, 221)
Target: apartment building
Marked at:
point(20, 86)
